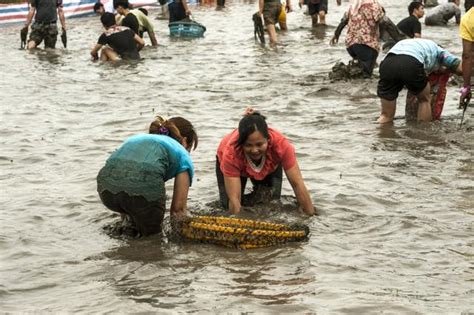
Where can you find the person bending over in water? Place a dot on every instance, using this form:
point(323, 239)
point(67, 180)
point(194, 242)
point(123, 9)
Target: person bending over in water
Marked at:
point(407, 64)
point(440, 15)
point(121, 41)
point(362, 39)
point(260, 153)
point(132, 182)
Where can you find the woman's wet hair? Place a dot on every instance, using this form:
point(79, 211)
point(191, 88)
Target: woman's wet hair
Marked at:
point(249, 124)
point(176, 128)
point(108, 19)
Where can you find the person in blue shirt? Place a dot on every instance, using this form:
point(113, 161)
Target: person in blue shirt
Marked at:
point(132, 182)
point(407, 63)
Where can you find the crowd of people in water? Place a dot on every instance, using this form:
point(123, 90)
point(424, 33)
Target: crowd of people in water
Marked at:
point(132, 182)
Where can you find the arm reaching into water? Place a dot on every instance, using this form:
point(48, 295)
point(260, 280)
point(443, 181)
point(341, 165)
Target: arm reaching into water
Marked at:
point(340, 27)
point(233, 189)
point(95, 51)
point(302, 194)
point(140, 41)
point(180, 195)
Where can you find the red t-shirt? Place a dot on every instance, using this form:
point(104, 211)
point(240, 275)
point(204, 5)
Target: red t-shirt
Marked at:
point(233, 162)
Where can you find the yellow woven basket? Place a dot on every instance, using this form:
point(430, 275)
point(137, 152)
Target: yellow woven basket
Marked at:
point(240, 233)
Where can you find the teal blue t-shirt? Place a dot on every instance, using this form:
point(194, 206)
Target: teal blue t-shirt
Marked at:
point(142, 164)
point(427, 52)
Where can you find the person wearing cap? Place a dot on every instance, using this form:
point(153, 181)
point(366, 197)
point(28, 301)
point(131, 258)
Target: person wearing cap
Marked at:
point(407, 63)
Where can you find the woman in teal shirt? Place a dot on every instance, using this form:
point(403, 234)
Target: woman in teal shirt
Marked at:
point(132, 182)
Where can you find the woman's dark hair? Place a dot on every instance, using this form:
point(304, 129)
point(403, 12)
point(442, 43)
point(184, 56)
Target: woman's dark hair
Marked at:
point(176, 128)
point(249, 124)
point(107, 19)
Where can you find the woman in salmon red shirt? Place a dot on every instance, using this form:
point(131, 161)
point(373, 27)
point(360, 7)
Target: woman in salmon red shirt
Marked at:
point(260, 153)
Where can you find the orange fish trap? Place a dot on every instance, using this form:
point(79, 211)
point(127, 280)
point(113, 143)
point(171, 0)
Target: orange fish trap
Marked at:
point(240, 233)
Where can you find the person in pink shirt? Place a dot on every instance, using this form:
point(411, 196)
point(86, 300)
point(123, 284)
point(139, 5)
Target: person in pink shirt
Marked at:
point(260, 153)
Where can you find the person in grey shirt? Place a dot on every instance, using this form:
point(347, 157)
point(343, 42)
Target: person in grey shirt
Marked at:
point(430, 3)
point(440, 15)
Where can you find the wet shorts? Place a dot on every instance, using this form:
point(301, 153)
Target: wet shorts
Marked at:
point(147, 215)
point(44, 31)
point(397, 71)
point(316, 6)
point(271, 12)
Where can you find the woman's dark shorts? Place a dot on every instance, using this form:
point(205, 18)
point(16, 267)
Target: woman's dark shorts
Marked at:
point(315, 6)
point(366, 55)
point(147, 215)
point(397, 71)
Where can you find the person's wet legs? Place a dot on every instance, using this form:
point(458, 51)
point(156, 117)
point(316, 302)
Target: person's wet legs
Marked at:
point(272, 34)
point(314, 19)
point(322, 17)
point(424, 105)
point(108, 54)
point(388, 111)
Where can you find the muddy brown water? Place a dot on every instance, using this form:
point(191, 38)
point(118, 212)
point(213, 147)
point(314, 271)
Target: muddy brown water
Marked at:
point(395, 230)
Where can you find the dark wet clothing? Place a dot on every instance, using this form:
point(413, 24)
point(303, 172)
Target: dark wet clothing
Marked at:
point(133, 178)
point(131, 21)
point(316, 6)
point(46, 10)
point(121, 40)
point(397, 71)
point(47, 32)
point(271, 12)
point(176, 11)
point(44, 26)
point(272, 182)
point(366, 56)
point(468, 4)
point(146, 215)
point(409, 26)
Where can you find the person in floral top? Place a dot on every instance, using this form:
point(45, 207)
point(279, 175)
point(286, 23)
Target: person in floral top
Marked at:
point(362, 39)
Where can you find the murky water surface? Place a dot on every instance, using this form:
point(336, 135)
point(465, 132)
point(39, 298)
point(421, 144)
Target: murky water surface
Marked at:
point(395, 232)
